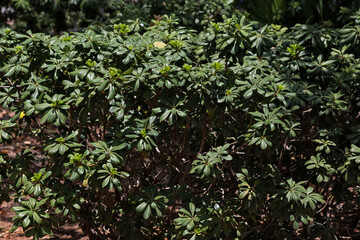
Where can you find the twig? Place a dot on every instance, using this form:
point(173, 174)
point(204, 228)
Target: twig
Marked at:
point(188, 167)
point(214, 181)
point(322, 208)
point(203, 138)
point(282, 154)
point(158, 174)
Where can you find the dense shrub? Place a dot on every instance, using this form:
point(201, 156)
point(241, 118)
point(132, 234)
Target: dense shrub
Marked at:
point(54, 17)
point(290, 12)
point(236, 131)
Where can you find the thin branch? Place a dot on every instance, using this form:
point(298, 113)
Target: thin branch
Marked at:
point(214, 181)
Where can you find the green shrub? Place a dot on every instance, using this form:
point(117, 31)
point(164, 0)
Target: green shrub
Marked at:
point(235, 131)
point(290, 12)
point(54, 17)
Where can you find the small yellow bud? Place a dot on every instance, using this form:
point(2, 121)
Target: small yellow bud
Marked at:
point(86, 182)
point(22, 115)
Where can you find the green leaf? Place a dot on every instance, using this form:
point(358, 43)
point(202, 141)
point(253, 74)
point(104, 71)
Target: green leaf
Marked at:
point(164, 115)
point(26, 222)
point(319, 178)
point(37, 218)
point(111, 92)
point(37, 190)
point(42, 106)
point(106, 181)
point(18, 209)
point(147, 212)
point(10, 72)
point(181, 113)
point(74, 175)
point(296, 225)
point(141, 207)
point(102, 86)
point(62, 149)
point(192, 208)
point(76, 206)
point(263, 144)
point(120, 147)
point(248, 94)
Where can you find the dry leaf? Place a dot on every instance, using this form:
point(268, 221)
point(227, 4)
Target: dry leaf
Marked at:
point(160, 44)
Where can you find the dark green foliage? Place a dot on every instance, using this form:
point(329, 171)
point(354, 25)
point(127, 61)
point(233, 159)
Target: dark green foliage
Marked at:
point(55, 16)
point(290, 12)
point(228, 131)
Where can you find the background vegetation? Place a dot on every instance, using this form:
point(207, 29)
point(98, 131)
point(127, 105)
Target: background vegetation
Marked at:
point(203, 124)
point(54, 16)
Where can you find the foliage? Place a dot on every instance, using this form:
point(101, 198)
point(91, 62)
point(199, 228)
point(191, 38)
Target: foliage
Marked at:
point(290, 12)
point(54, 17)
point(230, 131)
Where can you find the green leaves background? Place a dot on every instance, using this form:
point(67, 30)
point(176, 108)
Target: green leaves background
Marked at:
point(232, 130)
